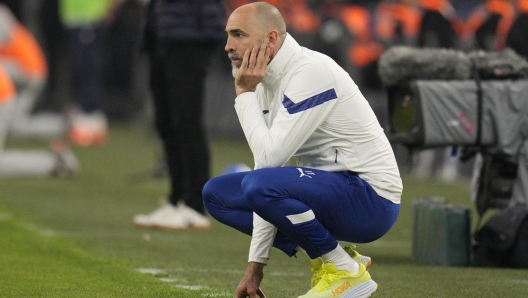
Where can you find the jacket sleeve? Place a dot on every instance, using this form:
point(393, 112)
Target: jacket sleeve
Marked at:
point(261, 240)
point(307, 99)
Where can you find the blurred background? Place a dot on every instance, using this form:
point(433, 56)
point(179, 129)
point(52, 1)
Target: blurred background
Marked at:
point(95, 65)
point(354, 33)
point(126, 95)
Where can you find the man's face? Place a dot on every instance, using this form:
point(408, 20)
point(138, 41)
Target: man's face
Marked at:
point(242, 34)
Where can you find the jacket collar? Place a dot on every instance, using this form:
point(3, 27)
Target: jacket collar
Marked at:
point(276, 67)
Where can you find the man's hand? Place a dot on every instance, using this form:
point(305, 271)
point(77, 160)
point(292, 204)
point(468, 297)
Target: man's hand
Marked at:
point(249, 285)
point(253, 69)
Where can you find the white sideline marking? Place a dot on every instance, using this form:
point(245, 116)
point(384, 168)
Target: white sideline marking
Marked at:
point(155, 271)
point(165, 272)
point(190, 287)
point(216, 294)
point(152, 271)
point(31, 227)
point(169, 280)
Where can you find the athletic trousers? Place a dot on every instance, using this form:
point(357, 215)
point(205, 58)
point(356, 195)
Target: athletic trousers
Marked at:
point(346, 208)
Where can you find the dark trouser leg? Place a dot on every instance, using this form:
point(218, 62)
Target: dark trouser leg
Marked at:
point(177, 80)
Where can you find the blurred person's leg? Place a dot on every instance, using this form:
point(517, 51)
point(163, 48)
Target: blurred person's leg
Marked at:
point(450, 166)
point(16, 162)
point(89, 124)
point(436, 163)
point(22, 58)
point(6, 116)
point(55, 47)
point(16, 7)
point(41, 125)
point(86, 43)
point(177, 81)
point(179, 120)
point(124, 100)
point(423, 164)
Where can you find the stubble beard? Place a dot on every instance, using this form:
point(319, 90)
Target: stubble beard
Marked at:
point(234, 70)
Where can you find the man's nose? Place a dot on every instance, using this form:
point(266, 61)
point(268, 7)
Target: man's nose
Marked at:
point(229, 45)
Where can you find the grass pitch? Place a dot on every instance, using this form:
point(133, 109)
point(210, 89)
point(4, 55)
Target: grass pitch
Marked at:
point(75, 238)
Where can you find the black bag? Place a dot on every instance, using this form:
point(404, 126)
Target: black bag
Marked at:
point(497, 177)
point(503, 239)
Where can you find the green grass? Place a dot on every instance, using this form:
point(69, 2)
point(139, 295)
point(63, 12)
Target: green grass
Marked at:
point(75, 238)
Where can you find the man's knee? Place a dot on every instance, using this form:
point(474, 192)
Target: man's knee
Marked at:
point(209, 194)
point(257, 189)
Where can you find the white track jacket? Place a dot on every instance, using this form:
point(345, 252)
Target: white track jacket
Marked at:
point(308, 107)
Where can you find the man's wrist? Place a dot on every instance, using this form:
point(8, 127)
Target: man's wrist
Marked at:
point(255, 267)
point(241, 90)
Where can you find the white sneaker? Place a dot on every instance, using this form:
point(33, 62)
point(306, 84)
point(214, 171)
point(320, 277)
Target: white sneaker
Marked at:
point(88, 129)
point(163, 213)
point(193, 219)
point(170, 217)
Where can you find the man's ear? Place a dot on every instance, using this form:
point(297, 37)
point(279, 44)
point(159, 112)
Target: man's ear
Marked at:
point(273, 38)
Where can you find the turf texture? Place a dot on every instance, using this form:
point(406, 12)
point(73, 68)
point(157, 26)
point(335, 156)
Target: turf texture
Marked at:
point(75, 237)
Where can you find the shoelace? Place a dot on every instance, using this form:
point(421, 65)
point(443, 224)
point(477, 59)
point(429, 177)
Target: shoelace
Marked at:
point(317, 275)
point(326, 280)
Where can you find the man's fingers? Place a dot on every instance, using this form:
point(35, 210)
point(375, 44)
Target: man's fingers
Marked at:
point(247, 295)
point(253, 57)
point(261, 56)
point(260, 293)
point(244, 294)
point(245, 60)
point(267, 57)
point(257, 57)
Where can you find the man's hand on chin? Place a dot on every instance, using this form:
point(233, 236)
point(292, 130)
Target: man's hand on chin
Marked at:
point(253, 69)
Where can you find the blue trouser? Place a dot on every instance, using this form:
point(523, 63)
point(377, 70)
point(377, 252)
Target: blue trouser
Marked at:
point(346, 207)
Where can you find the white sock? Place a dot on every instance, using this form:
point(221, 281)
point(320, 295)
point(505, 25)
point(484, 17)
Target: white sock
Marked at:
point(341, 259)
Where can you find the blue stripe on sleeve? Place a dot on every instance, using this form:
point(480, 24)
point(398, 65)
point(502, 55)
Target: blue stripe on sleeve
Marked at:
point(308, 103)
